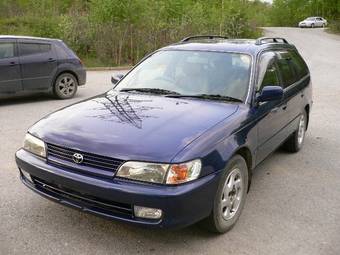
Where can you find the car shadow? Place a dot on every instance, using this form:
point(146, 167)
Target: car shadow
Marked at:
point(24, 98)
point(8, 100)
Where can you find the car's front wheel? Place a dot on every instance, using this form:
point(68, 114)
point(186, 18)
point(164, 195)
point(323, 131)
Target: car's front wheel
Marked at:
point(230, 196)
point(65, 86)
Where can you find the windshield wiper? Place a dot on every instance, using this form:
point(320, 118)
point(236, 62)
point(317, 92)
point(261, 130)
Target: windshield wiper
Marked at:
point(151, 90)
point(208, 96)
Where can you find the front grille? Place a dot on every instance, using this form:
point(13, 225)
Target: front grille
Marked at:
point(85, 201)
point(64, 156)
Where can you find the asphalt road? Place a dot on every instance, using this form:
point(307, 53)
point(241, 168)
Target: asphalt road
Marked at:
point(293, 206)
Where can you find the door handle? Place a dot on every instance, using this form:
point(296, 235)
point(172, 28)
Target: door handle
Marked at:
point(284, 107)
point(51, 60)
point(13, 63)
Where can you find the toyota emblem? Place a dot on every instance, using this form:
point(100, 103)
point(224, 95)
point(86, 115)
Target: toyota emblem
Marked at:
point(77, 158)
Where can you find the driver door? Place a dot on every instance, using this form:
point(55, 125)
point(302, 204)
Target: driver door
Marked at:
point(269, 114)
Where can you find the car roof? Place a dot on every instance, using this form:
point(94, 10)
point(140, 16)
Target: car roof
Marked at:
point(245, 46)
point(27, 37)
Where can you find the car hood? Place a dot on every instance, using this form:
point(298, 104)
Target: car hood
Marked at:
point(132, 126)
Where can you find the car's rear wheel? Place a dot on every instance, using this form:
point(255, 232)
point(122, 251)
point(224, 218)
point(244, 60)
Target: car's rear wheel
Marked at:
point(230, 197)
point(296, 141)
point(65, 86)
point(312, 26)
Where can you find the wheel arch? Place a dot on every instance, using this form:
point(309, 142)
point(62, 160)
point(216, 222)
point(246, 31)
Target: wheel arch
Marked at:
point(246, 153)
point(63, 72)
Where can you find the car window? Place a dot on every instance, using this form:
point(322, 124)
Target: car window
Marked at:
point(192, 73)
point(61, 52)
point(33, 48)
point(286, 69)
point(299, 64)
point(268, 73)
point(6, 50)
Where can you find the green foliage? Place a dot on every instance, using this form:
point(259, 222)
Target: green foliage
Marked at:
point(118, 32)
point(290, 12)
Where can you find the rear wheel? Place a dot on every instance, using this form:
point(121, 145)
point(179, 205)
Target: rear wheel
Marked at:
point(230, 197)
point(295, 142)
point(65, 86)
point(312, 26)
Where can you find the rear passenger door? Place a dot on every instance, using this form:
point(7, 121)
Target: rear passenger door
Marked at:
point(10, 77)
point(38, 64)
point(319, 22)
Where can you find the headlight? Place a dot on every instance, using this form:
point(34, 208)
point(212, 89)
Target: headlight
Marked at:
point(160, 173)
point(34, 145)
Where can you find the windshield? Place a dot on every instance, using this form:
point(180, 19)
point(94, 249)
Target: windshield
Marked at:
point(192, 73)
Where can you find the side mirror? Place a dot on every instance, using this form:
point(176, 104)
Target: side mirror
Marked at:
point(270, 93)
point(115, 78)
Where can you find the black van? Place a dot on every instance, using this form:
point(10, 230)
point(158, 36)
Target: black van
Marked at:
point(39, 64)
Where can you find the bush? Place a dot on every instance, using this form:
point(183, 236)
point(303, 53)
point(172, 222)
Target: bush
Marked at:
point(334, 26)
point(115, 32)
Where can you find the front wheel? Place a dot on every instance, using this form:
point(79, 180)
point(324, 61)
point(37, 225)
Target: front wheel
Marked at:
point(295, 142)
point(65, 86)
point(230, 197)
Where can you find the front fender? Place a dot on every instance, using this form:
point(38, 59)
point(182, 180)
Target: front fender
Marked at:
point(216, 146)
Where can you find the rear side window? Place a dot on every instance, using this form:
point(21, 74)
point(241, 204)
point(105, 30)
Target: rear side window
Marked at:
point(33, 48)
point(286, 69)
point(6, 50)
point(61, 52)
point(299, 64)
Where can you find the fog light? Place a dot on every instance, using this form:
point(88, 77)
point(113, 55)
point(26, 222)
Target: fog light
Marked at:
point(147, 213)
point(26, 175)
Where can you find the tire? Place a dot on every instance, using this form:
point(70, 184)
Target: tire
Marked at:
point(312, 26)
point(230, 197)
point(296, 140)
point(65, 86)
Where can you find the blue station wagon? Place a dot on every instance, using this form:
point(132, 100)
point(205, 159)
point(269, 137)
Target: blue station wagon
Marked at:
point(177, 138)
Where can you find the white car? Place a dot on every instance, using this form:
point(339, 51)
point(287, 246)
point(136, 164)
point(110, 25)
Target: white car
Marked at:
point(313, 22)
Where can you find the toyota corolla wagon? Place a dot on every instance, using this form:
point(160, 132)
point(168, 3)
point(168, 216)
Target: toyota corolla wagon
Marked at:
point(176, 140)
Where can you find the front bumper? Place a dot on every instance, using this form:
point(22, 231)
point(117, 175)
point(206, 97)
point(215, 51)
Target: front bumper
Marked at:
point(182, 205)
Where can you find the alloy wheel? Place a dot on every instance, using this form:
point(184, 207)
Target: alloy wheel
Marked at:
point(66, 86)
point(232, 194)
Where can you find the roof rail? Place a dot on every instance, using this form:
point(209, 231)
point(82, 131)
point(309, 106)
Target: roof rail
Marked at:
point(263, 40)
point(186, 39)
